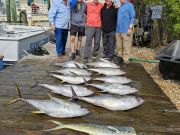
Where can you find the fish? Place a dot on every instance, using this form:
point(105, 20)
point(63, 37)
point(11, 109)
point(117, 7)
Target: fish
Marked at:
point(95, 129)
point(73, 71)
point(112, 102)
point(114, 79)
point(71, 64)
point(103, 63)
point(65, 90)
point(54, 107)
point(107, 71)
point(114, 88)
point(72, 79)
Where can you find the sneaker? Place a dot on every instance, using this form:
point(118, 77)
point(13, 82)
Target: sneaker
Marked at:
point(110, 59)
point(64, 53)
point(78, 52)
point(104, 56)
point(72, 56)
point(85, 60)
point(95, 55)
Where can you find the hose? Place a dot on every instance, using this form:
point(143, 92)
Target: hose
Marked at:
point(142, 60)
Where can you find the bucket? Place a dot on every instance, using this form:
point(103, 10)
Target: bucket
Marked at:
point(1, 62)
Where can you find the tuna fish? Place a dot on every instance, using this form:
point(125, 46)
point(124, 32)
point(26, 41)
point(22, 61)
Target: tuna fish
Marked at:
point(94, 129)
point(71, 64)
point(103, 64)
point(72, 79)
point(65, 90)
point(54, 107)
point(72, 71)
point(114, 88)
point(114, 103)
point(107, 71)
point(114, 79)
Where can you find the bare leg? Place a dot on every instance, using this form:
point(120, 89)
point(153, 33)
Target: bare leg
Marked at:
point(79, 42)
point(72, 43)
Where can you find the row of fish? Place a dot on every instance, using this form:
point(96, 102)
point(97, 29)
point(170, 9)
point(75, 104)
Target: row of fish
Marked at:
point(101, 63)
point(77, 73)
point(84, 79)
point(84, 72)
point(113, 85)
point(107, 101)
point(81, 91)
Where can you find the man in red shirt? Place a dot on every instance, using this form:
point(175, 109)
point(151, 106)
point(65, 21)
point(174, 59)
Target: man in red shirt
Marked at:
point(93, 28)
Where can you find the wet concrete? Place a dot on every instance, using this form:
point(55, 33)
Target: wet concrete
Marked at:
point(157, 116)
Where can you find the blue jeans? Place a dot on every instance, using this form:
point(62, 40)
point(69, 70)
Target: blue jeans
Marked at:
point(109, 40)
point(61, 39)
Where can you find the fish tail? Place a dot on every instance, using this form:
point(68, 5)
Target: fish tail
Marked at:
point(60, 125)
point(19, 94)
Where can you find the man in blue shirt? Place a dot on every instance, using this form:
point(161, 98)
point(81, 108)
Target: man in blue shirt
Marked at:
point(59, 16)
point(124, 29)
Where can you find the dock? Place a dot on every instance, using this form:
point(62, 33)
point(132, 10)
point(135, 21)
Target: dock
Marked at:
point(157, 115)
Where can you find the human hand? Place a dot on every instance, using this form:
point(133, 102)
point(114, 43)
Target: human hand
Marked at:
point(115, 5)
point(130, 31)
point(53, 27)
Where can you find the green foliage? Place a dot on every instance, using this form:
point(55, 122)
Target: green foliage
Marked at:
point(171, 9)
point(174, 15)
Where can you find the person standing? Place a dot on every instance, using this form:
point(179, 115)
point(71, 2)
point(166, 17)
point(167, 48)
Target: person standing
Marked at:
point(77, 27)
point(109, 20)
point(59, 16)
point(124, 29)
point(93, 28)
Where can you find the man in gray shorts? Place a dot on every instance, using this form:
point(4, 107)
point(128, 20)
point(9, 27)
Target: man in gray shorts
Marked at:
point(77, 27)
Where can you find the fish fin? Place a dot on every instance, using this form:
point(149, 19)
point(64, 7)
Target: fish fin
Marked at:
point(113, 129)
point(74, 95)
point(61, 125)
point(37, 112)
point(61, 81)
point(104, 60)
point(49, 95)
point(77, 65)
point(18, 90)
point(19, 94)
point(14, 100)
point(56, 122)
point(85, 82)
point(74, 74)
point(102, 91)
point(52, 129)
